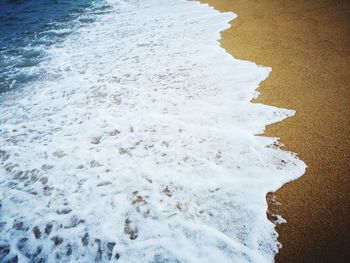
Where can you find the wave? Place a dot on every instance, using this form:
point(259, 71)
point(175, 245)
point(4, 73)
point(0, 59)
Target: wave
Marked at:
point(138, 145)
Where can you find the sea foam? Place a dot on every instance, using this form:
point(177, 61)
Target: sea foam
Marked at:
point(139, 145)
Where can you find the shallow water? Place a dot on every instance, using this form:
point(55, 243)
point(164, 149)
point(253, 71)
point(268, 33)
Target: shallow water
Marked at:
point(28, 28)
point(136, 143)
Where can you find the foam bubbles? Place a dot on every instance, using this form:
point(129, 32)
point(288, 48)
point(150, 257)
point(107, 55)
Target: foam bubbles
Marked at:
point(139, 145)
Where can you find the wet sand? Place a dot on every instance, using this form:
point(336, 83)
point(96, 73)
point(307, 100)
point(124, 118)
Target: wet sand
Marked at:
point(307, 44)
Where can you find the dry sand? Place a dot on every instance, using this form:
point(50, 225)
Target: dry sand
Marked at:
point(307, 44)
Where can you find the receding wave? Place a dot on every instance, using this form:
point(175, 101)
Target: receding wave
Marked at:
point(138, 145)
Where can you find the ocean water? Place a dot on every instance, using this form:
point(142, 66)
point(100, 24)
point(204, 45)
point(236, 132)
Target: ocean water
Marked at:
point(127, 135)
point(29, 27)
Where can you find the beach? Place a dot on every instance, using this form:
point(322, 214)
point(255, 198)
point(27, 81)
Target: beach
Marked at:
point(307, 44)
point(128, 131)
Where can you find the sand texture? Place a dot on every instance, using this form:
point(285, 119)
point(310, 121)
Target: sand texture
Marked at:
point(307, 44)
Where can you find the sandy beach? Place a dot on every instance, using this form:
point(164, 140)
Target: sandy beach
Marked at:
point(128, 131)
point(307, 44)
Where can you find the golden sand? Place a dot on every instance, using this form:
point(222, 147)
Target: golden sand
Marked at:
point(307, 44)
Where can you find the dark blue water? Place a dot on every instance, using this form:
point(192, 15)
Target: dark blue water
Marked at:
point(28, 28)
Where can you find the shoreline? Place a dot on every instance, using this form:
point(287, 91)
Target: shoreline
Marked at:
point(308, 47)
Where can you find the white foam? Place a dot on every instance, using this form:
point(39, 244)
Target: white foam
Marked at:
point(142, 147)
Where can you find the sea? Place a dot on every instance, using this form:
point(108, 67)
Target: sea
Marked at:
point(127, 134)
